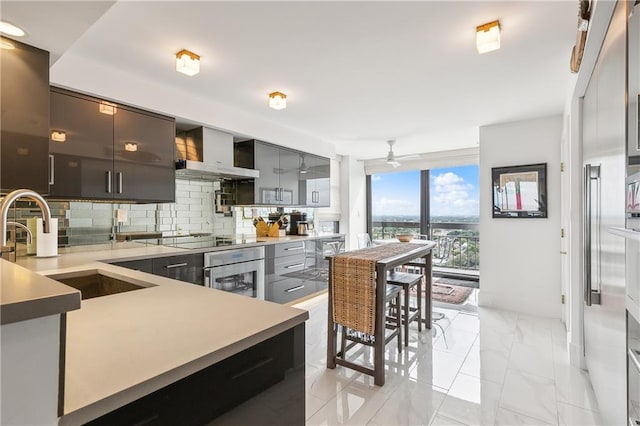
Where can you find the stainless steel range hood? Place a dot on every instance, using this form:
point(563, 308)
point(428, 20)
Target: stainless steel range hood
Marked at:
point(212, 171)
point(207, 154)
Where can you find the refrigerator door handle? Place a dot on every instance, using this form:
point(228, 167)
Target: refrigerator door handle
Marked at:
point(591, 173)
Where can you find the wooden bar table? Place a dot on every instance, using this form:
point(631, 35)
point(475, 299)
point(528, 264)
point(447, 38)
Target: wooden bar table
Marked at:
point(383, 258)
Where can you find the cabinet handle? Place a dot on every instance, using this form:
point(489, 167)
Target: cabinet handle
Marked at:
point(316, 195)
point(252, 368)
point(294, 248)
point(119, 188)
point(176, 265)
point(108, 181)
point(51, 169)
point(292, 289)
point(294, 266)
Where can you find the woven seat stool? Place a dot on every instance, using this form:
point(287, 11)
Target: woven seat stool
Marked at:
point(407, 281)
point(392, 322)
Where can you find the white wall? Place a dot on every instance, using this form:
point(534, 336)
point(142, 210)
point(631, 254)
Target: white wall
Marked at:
point(520, 258)
point(30, 354)
point(353, 200)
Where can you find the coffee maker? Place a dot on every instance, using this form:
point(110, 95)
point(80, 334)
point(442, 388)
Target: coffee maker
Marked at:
point(298, 224)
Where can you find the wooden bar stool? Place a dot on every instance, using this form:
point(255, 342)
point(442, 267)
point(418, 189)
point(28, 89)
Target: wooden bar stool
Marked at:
point(407, 281)
point(392, 322)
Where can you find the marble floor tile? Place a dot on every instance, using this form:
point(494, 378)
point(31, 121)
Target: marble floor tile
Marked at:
point(574, 387)
point(438, 368)
point(412, 403)
point(472, 401)
point(440, 420)
point(486, 364)
point(531, 359)
point(354, 405)
point(535, 332)
point(466, 322)
point(506, 417)
point(456, 341)
point(531, 395)
point(313, 404)
point(497, 319)
point(495, 338)
point(570, 415)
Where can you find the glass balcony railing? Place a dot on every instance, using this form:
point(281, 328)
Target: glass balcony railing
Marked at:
point(457, 244)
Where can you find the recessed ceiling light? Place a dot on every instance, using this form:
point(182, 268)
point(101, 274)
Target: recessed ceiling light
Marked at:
point(6, 45)
point(187, 62)
point(10, 29)
point(488, 37)
point(277, 100)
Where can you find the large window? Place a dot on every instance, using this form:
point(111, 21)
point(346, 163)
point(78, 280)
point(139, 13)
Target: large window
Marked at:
point(442, 203)
point(395, 203)
point(454, 195)
point(454, 217)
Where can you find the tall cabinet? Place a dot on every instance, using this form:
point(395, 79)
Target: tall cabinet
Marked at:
point(24, 129)
point(100, 150)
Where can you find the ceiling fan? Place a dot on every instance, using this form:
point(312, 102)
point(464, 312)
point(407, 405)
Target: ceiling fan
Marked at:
point(392, 160)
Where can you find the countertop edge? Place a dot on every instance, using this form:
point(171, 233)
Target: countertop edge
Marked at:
point(57, 298)
point(115, 401)
point(38, 308)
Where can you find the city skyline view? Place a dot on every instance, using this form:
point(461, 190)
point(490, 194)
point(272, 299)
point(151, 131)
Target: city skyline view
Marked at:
point(454, 192)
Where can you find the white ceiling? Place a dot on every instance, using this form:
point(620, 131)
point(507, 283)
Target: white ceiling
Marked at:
point(356, 73)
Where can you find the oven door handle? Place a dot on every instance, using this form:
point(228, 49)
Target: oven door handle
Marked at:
point(207, 276)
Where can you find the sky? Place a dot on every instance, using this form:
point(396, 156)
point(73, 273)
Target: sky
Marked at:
point(454, 192)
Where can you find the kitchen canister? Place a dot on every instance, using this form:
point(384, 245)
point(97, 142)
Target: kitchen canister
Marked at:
point(47, 244)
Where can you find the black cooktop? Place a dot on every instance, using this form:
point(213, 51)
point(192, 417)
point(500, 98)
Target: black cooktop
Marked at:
point(198, 242)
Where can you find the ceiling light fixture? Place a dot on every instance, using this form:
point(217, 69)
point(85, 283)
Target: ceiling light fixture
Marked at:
point(58, 136)
point(131, 146)
point(277, 100)
point(4, 44)
point(303, 167)
point(488, 37)
point(10, 29)
point(187, 63)
point(107, 108)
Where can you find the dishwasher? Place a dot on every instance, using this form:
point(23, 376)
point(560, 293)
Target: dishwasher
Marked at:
point(238, 271)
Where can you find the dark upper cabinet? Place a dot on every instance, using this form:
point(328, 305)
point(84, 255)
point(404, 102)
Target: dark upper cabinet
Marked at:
point(315, 182)
point(144, 164)
point(24, 120)
point(83, 162)
point(109, 151)
point(279, 174)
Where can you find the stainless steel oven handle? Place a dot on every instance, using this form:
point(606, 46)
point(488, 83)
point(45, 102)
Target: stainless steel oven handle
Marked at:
point(292, 289)
point(176, 265)
point(294, 266)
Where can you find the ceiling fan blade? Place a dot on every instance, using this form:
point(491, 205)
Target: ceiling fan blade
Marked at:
point(393, 164)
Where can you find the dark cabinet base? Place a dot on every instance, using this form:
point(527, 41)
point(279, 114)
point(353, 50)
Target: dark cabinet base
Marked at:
point(206, 395)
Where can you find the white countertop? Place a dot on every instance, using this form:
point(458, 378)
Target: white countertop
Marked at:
point(124, 346)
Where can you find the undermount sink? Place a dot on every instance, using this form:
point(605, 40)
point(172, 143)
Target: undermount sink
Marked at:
point(95, 283)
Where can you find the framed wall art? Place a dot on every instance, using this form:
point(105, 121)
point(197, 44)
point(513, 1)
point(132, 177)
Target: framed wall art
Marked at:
point(520, 191)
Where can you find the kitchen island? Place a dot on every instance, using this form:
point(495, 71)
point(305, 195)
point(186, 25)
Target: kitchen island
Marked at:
point(123, 347)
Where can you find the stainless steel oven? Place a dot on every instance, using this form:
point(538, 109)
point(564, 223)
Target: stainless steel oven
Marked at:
point(238, 271)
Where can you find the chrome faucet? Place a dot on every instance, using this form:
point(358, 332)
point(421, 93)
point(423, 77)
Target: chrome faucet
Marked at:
point(8, 252)
point(19, 225)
